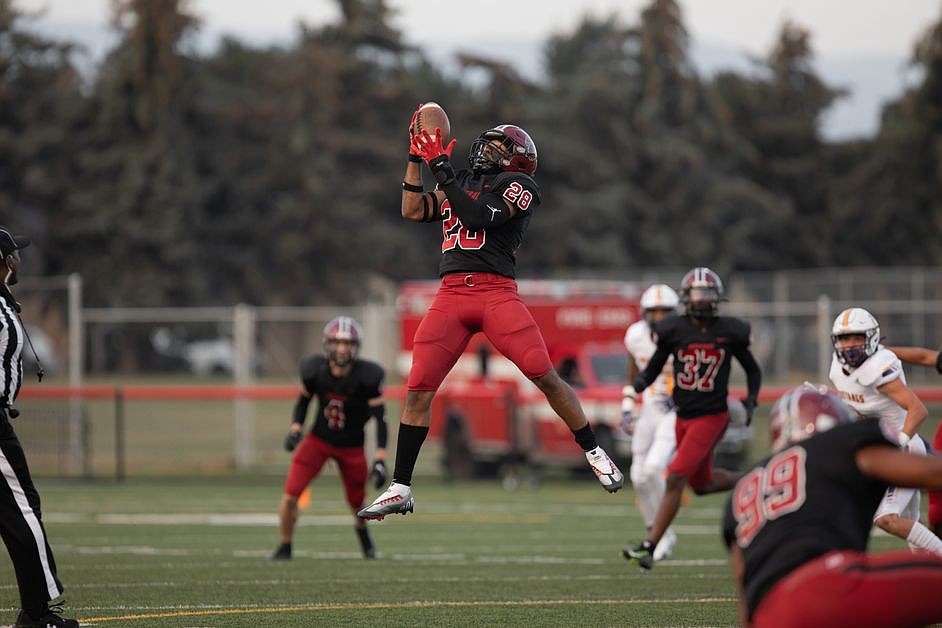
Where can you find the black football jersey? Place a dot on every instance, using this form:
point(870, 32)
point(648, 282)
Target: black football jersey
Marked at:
point(801, 503)
point(702, 361)
point(489, 250)
point(342, 403)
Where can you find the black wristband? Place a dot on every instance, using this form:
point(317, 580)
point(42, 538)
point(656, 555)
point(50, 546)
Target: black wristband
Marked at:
point(408, 187)
point(441, 168)
point(415, 159)
point(938, 362)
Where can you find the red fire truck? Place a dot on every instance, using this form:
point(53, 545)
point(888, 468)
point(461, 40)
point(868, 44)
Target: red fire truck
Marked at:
point(488, 413)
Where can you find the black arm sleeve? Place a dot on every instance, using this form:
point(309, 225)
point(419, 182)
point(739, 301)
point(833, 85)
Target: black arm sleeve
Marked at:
point(379, 413)
point(653, 369)
point(489, 210)
point(300, 409)
point(753, 372)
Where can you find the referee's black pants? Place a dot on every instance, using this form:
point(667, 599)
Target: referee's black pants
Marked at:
point(21, 525)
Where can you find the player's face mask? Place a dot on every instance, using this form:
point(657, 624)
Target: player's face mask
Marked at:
point(341, 352)
point(655, 314)
point(852, 348)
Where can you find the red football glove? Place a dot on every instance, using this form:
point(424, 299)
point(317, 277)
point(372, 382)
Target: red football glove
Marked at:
point(412, 126)
point(429, 147)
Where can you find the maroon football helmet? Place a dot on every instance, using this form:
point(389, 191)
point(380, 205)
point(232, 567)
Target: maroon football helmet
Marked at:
point(342, 328)
point(804, 411)
point(701, 291)
point(505, 148)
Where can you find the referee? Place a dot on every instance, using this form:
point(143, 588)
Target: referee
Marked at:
point(20, 518)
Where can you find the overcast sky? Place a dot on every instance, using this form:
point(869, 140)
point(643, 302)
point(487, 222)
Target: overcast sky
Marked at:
point(859, 44)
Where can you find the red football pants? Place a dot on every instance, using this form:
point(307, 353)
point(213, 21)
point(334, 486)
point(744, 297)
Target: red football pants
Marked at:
point(696, 439)
point(464, 305)
point(309, 459)
point(855, 589)
point(935, 497)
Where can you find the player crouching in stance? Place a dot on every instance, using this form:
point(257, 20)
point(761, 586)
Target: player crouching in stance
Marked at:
point(870, 379)
point(484, 213)
point(349, 393)
point(798, 523)
point(652, 430)
point(702, 344)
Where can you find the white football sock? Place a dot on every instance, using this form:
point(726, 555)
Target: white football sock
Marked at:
point(921, 537)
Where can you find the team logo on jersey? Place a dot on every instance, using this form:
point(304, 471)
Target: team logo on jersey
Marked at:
point(336, 418)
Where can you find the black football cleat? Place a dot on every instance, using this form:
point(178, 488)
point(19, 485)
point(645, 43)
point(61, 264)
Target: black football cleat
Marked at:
point(282, 553)
point(51, 619)
point(642, 556)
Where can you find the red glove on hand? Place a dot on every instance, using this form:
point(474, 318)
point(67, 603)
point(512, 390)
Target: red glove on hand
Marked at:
point(429, 147)
point(412, 126)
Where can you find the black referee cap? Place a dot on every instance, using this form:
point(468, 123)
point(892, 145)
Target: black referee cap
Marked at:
point(10, 242)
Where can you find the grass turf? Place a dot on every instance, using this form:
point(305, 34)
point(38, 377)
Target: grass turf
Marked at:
point(192, 553)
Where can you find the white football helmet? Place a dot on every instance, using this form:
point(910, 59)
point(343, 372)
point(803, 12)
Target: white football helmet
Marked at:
point(855, 320)
point(659, 296)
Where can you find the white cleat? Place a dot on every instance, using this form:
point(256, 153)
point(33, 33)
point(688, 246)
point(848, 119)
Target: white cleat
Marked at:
point(395, 499)
point(609, 475)
point(665, 546)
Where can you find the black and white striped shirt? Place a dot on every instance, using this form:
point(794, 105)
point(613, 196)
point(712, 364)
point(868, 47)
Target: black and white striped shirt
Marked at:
point(11, 345)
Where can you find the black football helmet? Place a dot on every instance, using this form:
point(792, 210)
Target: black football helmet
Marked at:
point(701, 291)
point(505, 148)
point(342, 328)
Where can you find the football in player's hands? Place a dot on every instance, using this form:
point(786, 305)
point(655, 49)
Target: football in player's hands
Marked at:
point(429, 117)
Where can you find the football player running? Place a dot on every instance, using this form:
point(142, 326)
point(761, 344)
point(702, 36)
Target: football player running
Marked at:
point(797, 524)
point(870, 379)
point(349, 392)
point(931, 358)
point(652, 430)
point(484, 212)
point(702, 344)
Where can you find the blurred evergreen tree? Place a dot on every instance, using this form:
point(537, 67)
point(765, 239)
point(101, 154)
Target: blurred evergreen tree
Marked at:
point(887, 207)
point(778, 110)
point(271, 174)
point(130, 220)
point(40, 104)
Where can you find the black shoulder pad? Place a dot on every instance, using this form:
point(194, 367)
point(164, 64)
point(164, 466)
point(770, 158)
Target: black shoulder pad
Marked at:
point(311, 365)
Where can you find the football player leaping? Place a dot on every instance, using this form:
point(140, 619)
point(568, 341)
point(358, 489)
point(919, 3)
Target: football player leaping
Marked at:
point(870, 379)
point(702, 344)
point(349, 392)
point(652, 430)
point(484, 213)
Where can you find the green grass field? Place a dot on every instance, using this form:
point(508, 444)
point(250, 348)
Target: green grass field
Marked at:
point(192, 553)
